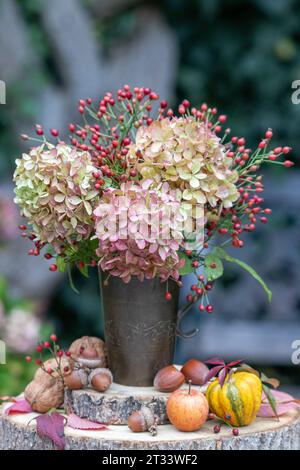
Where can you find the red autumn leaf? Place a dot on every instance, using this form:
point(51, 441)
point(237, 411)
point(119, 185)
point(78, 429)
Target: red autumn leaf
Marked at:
point(222, 376)
point(215, 361)
point(19, 406)
point(266, 411)
point(281, 397)
point(52, 426)
point(284, 403)
point(79, 423)
point(213, 372)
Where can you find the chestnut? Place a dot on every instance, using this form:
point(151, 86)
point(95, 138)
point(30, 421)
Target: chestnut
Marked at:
point(195, 371)
point(168, 379)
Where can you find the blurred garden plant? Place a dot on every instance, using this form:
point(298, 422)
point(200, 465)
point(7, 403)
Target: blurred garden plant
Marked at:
point(20, 329)
point(8, 220)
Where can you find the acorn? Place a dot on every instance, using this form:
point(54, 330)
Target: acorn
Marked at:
point(142, 421)
point(101, 379)
point(168, 379)
point(76, 380)
point(195, 371)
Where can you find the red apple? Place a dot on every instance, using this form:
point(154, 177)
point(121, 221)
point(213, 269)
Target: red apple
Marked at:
point(187, 409)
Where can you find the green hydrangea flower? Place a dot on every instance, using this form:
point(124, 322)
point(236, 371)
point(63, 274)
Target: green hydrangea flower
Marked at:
point(189, 156)
point(54, 189)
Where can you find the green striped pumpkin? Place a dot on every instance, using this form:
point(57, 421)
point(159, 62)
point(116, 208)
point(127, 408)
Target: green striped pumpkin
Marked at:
point(238, 400)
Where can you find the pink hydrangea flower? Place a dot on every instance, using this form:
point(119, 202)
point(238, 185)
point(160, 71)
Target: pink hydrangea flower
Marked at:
point(139, 232)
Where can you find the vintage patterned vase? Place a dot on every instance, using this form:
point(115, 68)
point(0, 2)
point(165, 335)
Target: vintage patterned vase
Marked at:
point(140, 328)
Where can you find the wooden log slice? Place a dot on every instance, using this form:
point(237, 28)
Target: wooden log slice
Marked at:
point(116, 404)
point(19, 432)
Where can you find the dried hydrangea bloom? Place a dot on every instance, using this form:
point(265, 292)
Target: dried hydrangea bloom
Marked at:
point(54, 189)
point(139, 232)
point(185, 153)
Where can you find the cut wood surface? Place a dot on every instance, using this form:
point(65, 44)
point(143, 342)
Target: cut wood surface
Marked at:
point(19, 432)
point(116, 404)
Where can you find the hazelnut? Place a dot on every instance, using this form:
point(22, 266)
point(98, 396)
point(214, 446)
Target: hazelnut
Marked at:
point(136, 422)
point(195, 371)
point(143, 420)
point(101, 379)
point(168, 379)
point(76, 380)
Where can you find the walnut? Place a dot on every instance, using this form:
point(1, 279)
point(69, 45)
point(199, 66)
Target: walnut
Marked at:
point(88, 352)
point(46, 391)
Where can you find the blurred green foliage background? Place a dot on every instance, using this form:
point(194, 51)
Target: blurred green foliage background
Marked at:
point(240, 56)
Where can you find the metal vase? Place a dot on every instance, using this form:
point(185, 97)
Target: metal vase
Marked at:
point(140, 328)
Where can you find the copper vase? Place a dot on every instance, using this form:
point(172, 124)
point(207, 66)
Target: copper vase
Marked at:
point(140, 328)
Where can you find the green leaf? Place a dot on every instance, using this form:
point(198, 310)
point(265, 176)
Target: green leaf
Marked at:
point(50, 249)
point(271, 400)
point(84, 270)
point(92, 114)
point(107, 183)
point(187, 268)
point(222, 254)
point(61, 264)
point(215, 272)
point(246, 368)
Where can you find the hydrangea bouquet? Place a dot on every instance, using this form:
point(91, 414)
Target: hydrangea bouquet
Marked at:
point(142, 196)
